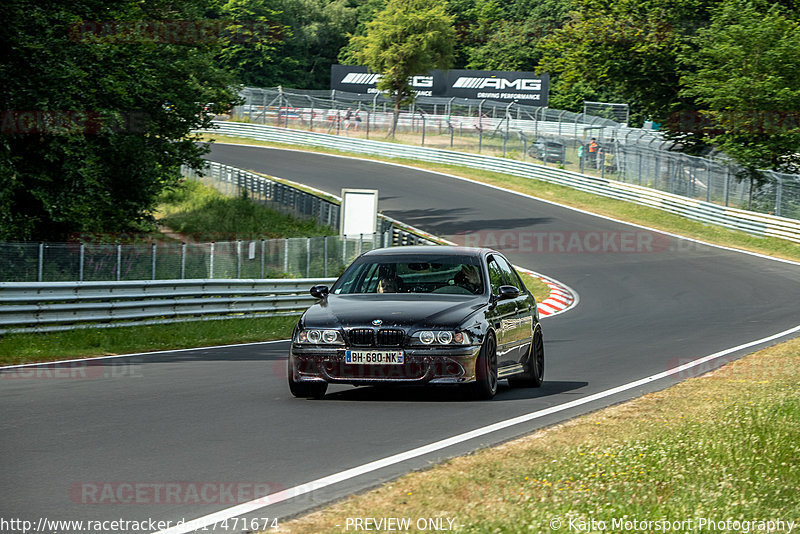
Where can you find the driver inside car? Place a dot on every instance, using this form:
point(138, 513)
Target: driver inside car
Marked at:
point(469, 278)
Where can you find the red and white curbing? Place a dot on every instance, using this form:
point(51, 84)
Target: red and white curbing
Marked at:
point(561, 298)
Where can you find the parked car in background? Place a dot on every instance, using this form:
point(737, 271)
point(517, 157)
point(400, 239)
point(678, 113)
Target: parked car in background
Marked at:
point(548, 151)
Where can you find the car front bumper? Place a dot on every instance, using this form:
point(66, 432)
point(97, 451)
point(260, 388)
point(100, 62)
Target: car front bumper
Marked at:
point(429, 365)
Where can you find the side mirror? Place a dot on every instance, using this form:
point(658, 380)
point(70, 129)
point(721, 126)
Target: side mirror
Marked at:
point(319, 292)
point(507, 292)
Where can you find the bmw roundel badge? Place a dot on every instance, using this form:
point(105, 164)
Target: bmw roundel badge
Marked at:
point(377, 322)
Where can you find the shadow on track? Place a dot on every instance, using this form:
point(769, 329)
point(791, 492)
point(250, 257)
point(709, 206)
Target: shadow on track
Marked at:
point(448, 393)
point(460, 221)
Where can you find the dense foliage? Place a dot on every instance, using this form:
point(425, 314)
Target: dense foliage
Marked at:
point(684, 63)
point(406, 38)
point(97, 113)
point(743, 72)
point(719, 74)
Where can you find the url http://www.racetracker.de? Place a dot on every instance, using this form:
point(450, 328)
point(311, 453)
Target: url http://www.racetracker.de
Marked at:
point(89, 526)
point(696, 524)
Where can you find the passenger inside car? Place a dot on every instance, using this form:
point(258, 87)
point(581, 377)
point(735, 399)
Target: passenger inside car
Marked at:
point(387, 285)
point(387, 281)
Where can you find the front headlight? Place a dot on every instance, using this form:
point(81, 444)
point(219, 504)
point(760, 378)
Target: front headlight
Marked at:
point(440, 337)
point(319, 337)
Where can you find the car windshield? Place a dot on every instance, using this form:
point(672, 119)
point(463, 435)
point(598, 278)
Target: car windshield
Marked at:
point(455, 275)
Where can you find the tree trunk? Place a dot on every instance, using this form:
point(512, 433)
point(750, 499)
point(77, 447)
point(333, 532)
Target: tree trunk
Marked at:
point(396, 115)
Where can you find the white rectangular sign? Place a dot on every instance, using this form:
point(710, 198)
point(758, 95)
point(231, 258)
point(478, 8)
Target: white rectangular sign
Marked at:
point(359, 212)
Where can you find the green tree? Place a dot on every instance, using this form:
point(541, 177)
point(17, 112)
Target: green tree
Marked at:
point(744, 73)
point(254, 48)
point(512, 43)
point(476, 21)
point(407, 38)
point(626, 49)
point(97, 117)
point(319, 31)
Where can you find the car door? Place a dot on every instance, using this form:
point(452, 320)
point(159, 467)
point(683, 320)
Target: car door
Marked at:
point(520, 323)
point(503, 316)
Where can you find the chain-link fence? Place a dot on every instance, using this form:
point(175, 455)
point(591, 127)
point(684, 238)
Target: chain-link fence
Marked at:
point(165, 260)
point(458, 123)
point(579, 142)
point(266, 258)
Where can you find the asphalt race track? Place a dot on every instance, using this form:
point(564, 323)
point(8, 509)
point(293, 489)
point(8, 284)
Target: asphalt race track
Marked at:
point(79, 441)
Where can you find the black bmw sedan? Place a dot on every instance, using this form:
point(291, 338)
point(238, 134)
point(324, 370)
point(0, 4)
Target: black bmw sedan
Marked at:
point(420, 315)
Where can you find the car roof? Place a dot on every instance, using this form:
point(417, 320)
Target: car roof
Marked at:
point(438, 250)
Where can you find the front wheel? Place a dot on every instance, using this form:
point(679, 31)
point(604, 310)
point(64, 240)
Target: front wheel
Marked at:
point(485, 386)
point(534, 366)
point(306, 390)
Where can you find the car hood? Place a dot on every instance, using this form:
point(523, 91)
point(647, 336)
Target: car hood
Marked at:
point(399, 310)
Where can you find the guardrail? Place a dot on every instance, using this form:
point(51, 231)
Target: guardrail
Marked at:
point(68, 305)
point(55, 306)
point(707, 212)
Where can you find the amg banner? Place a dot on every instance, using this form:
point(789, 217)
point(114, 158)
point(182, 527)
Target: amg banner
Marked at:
point(521, 87)
point(357, 79)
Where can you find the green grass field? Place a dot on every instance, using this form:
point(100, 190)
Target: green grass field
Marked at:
point(205, 214)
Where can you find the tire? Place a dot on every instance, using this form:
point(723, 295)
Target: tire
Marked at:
point(306, 390)
point(534, 365)
point(485, 385)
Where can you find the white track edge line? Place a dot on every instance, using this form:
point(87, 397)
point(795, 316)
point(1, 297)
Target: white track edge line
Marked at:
point(347, 474)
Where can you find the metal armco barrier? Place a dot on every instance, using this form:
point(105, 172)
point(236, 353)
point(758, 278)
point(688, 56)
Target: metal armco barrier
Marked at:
point(54, 306)
point(707, 212)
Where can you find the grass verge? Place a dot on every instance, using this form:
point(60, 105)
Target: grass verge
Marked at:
point(723, 447)
point(41, 347)
point(642, 215)
point(539, 289)
point(207, 215)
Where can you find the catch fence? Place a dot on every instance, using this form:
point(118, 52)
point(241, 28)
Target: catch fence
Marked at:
point(546, 136)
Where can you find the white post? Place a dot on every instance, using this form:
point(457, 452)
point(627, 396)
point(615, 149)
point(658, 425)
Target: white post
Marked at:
point(183, 261)
point(211, 263)
point(80, 267)
point(119, 262)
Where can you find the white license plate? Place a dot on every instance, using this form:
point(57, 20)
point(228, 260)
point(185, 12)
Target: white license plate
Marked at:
point(374, 357)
